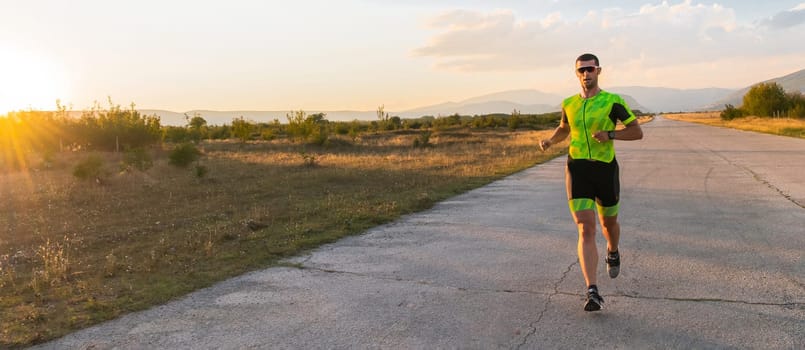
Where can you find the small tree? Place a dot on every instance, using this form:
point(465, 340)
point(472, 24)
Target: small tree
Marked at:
point(797, 103)
point(197, 127)
point(241, 129)
point(765, 99)
point(297, 127)
point(395, 123)
point(382, 118)
point(514, 120)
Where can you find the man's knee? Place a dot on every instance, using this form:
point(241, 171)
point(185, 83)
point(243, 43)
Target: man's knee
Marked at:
point(586, 232)
point(609, 222)
point(585, 220)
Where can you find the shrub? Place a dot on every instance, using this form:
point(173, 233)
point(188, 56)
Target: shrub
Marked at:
point(138, 158)
point(412, 124)
point(176, 134)
point(342, 128)
point(730, 113)
point(299, 126)
point(201, 171)
point(89, 168)
point(8, 273)
point(319, 136)
point(183, 155)
point(308, 160)
point(241, 129)
point(423, 140)
point(514, 121)
point(115, 128)
point(267, 134)
point(311, 129)
point(55, 263)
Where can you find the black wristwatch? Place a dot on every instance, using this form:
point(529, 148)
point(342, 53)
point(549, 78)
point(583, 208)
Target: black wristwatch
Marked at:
point(611, 135)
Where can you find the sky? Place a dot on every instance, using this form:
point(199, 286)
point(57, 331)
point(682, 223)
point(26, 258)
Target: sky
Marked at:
point(182, 55)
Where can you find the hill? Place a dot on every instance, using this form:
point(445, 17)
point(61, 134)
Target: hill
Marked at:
point(660, 99)
point(791, 82)
point(525, 101)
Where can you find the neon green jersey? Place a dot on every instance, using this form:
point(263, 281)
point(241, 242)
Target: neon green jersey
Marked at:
point(586, 116)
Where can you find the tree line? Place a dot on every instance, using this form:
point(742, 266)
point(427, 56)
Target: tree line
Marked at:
point(316, 129)
point(115, 128)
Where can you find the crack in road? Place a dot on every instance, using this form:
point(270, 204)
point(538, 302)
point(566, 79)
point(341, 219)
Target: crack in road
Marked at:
point(773, 187)
point(423, 282)
point(708, 300)
point(556, 291)
point(551, 295)
point(760, 179)
point(533, 325)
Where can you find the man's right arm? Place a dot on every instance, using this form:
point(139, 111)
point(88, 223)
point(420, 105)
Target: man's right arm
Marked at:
point(559, 134)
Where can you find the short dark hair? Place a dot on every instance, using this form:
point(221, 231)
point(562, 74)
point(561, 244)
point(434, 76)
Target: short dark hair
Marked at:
point(587, 57)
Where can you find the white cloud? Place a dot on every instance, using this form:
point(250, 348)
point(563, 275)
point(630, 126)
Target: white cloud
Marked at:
point(786, 19)
point(652, 36)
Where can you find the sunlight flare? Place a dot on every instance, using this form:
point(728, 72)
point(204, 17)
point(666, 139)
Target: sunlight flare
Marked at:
point(29, 81)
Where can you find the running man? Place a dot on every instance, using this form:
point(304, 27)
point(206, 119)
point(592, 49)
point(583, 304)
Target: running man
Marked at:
point(592, 178)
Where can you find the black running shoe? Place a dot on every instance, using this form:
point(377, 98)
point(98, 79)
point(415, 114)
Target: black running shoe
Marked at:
point(613, 264)
point(594, 301)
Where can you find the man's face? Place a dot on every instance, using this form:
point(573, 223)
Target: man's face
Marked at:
point(587, 72)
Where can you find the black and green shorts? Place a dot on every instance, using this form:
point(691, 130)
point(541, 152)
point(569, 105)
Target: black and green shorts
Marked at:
point(592, 184)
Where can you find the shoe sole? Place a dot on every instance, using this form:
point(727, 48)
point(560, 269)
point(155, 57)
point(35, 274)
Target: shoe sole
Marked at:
point(592, 306)
point(613, 271)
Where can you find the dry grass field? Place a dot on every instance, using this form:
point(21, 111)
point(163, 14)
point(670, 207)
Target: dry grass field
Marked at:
point(777, 126)
point(77, 252)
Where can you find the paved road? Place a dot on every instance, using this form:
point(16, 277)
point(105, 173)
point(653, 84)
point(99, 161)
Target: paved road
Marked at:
point(712, 251)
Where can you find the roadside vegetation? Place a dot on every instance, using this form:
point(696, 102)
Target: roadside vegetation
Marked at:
point(766, 108)
point(767, 100)
point(112, 212)
point(793, 127)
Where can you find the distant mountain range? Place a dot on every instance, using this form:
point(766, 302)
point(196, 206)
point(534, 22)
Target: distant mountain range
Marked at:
point(791, 82)
point(646, 99)
point(525, 101)
point(658, 99)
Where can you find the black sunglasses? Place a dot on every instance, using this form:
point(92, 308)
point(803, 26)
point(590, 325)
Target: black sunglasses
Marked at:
point(588, 69)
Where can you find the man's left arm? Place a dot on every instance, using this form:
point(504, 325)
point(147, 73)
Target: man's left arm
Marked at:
point(631, 132)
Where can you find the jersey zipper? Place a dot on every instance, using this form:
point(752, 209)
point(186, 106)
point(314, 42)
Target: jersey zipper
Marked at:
point(586, 130)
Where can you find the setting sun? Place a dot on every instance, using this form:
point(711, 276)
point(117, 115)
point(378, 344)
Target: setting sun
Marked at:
point(28, 81)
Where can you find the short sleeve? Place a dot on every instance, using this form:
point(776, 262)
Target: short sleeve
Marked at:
point(620, 112)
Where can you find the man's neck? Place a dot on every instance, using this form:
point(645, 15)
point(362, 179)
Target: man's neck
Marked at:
point(590, 93)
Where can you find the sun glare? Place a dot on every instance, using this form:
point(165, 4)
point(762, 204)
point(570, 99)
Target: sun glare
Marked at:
point(28, 81)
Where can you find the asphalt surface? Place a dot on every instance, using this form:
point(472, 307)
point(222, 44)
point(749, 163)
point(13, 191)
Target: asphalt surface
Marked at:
point(713, 235)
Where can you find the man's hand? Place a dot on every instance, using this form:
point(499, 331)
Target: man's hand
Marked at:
point(601, 136)
point(544, 145)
